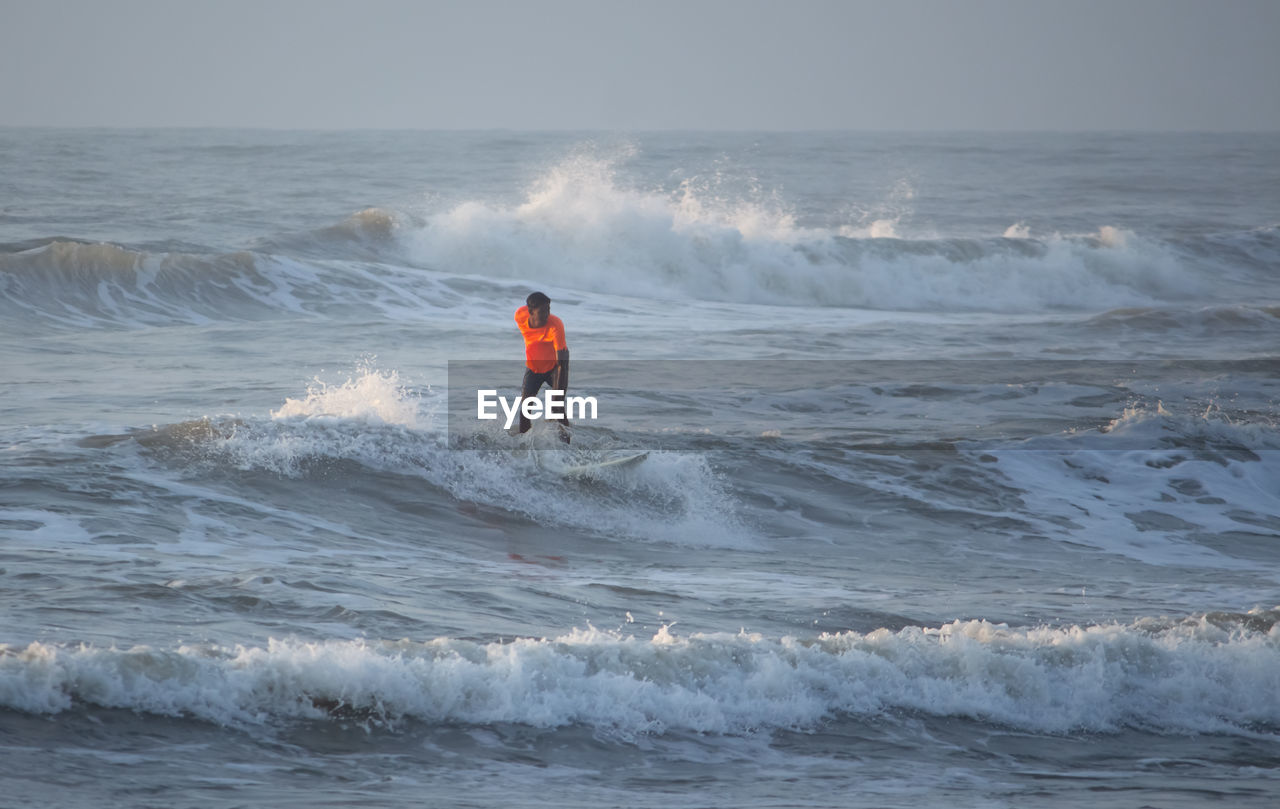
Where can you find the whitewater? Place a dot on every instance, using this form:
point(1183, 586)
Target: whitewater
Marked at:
point(962, 485)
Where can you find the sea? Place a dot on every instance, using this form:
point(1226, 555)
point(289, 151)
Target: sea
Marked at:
point(962, 484)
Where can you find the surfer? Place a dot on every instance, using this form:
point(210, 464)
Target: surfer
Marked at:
point(546, 354)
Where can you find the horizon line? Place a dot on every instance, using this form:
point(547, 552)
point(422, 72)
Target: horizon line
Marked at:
point(647, 130)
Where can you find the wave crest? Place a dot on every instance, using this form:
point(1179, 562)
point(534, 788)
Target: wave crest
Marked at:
point(1213, 673)
point(579, 228)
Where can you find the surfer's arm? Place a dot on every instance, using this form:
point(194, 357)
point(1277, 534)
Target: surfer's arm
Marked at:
point(561, 379)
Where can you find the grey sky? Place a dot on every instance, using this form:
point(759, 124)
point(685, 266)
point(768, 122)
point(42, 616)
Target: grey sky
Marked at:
point(699, 64)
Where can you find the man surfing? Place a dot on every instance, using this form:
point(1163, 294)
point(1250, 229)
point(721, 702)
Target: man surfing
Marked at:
point(546, 354)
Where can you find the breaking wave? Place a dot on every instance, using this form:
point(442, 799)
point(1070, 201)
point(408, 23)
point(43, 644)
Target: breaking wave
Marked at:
point(579, 227)
point(1212, 673)
point(374, 425)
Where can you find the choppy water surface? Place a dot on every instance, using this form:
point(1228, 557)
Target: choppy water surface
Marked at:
point(963, 485)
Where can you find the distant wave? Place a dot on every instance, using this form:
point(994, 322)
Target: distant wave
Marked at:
point(1209, 673)
point(87, 284)
point(578, 229)
point(367, 234)
point(1209, 320)
point(79, 284)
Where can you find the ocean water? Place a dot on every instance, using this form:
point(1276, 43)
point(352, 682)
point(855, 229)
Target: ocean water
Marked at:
point(963, 483)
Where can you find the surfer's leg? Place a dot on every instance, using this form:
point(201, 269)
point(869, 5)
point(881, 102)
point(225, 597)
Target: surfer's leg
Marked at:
point(528, 389)
point(560, 382)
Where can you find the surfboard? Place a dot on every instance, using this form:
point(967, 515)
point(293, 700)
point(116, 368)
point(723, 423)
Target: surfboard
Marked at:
point(588, 469)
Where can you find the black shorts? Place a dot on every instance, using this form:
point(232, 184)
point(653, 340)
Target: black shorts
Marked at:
point(533, 382)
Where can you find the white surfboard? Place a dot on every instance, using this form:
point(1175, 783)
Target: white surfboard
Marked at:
point(588, 469)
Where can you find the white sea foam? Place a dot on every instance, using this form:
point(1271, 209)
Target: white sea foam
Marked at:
point(373, 418)
point(1206, 674)
point(1151, 482)
point(578, 227)
point(372, 396)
